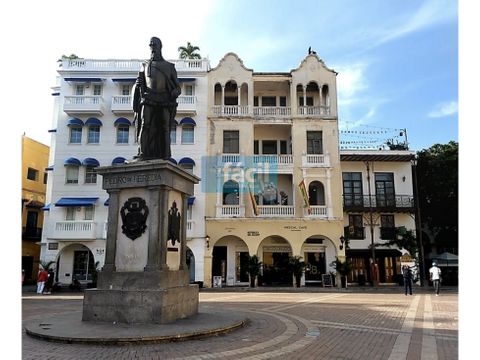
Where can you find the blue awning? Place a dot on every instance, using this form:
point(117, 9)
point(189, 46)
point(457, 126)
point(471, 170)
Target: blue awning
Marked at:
point(106, 202)
point(56, 94)
point(186, 160)
point(75, 121)
point(46, 207)
point(191, 199)
point(52, 130)
point(93, 121)
point(188, 121)
point(118, 160)
point(72, 162)
point(50, 168)
point(186, 79)
point(75, 201)
point(90, 162)
point(172, 160)
point(122, 121)
point(125, 80)
point(83, 79)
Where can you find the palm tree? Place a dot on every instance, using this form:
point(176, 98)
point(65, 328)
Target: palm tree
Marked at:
point(254, 267)
point(46, 264)
point(189, 52)
point(297, 267)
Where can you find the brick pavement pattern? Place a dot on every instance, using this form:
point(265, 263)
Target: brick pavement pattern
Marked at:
point(293, 325)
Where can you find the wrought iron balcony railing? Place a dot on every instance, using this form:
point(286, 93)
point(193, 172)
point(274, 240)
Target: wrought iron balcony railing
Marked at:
point(378, 202)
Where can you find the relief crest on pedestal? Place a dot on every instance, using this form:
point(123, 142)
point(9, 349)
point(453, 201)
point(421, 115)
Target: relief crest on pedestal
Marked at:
point(134, 215)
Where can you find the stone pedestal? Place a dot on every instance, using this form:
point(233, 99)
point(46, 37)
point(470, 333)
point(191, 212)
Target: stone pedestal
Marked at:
point(145, 277)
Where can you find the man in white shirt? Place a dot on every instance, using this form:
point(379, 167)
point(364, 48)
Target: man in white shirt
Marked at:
point(435, 273)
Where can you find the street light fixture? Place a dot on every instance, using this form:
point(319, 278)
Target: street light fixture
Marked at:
point(207, 241)
point(342, 241)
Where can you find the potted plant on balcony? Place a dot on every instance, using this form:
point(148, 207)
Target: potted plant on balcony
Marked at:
point(343, 268)
point(297, 267)
point(254, 267)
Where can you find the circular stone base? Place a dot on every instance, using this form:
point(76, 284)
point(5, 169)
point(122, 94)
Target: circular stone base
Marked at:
point(71, 329)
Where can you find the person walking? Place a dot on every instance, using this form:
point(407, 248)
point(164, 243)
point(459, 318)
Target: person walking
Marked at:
point(49, 282)
point(407, 278)
point(435, 274)
point(41, 278)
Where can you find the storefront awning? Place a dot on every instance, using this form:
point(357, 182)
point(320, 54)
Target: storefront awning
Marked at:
point(191, 200)
point(76, 201)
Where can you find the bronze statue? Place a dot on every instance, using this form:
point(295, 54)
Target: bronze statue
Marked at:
point(155, 105)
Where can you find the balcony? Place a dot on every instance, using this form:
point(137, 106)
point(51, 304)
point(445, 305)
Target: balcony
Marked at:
point(122, 104)
point(316, 211)
point(393, 203)
point(190, 65)
point(233, 160)
point(272, 111)
point(273, 163)
point(187, 103)
point(316, 160)
point(74, 230)
point(229, 211)
point(314, 110)
point(230, 110)
point(81, 104)
point(276, 211)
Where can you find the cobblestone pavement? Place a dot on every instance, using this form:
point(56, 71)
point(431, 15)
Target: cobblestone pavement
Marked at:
point(290, 325)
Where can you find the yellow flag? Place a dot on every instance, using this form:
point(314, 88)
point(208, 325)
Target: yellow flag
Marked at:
point(303, 190)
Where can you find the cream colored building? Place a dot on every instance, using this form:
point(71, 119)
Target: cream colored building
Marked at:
point(268, 133)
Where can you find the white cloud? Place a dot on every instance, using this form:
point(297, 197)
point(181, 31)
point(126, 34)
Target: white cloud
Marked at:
point(444, 109)
point(351, 82)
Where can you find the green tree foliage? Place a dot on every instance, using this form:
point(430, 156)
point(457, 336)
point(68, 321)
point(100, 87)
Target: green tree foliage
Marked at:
point(254, 267)
point(437, 174)
point(189, 52)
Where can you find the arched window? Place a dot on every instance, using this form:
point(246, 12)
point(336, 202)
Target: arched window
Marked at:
point(230, 193)
point(316, 193)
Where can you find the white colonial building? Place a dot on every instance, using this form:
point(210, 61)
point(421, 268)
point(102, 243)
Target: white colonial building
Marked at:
point(92, 126)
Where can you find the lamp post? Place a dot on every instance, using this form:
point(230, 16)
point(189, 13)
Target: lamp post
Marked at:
point(418, 222)
point(342, 241)
point(372, 242)
point(207, 242)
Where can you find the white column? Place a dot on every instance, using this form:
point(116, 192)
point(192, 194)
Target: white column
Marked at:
point(329, 194)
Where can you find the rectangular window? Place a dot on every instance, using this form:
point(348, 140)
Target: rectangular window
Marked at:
point(75, 134)
point(90, 175)
point(269, 101)
point(126, 90)
point(93, 134)
point(173, 135)
point(89, 212)
point(255, 147)
point(79, 90)
point(387, 227)
point(231, 142)
point(188, 90)
point(97, 90)
point(283, 147)
point(309, 101)
point(352, 189)
point(188, 134)
point(70, 213)
point(384, 189)
point(355, 227)
point(314, 142)
point(32, 174)
point(122, 134)
point(269, 147)
point(72, 175)
point(283, 101)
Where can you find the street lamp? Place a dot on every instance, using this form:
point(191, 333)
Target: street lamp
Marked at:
point(418, 221)
point(207, 241)
point(342, 241)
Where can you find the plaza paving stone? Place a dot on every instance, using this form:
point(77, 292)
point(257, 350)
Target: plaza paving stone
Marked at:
point(286, 324)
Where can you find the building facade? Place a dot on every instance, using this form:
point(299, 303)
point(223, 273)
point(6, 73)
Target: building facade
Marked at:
point(266, 147)
point(92, 127)
point(34, 180)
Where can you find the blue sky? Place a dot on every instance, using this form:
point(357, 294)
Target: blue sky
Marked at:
point(397, 60)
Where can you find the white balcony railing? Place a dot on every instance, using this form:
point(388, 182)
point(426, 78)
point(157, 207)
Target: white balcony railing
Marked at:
point(186, 103)
point(230, 211)
point(278, 160)
point(313, 110)
point(230, 159)
point(272, 111)
point(230, 110)
point(276, 210)
point(122, 103)
point(74, 230)
point(316, 160)
point(84, 104)
point(316, 211)
point(129, 65)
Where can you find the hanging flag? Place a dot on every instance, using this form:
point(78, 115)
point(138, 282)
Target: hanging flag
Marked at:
point(254, 202)
point(303, 190)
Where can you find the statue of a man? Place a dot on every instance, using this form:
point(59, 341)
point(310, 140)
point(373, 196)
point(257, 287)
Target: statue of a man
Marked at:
point(155, 105)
